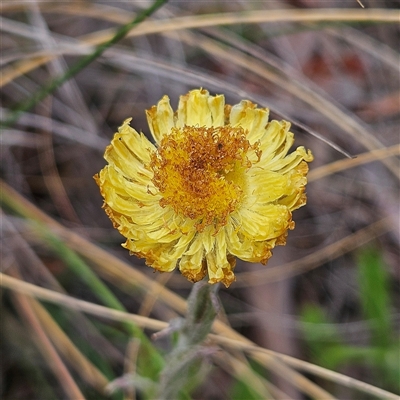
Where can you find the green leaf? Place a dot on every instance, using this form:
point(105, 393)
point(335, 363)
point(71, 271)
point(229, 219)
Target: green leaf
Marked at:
point(242, 390)
point(374, 293)
point(321, 336)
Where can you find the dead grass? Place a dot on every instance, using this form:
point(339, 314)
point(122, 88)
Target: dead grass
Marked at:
point(331, 68)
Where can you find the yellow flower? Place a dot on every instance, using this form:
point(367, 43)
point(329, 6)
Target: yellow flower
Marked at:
point(218, 184)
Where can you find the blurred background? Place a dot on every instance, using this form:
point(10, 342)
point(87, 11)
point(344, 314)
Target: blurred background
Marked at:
point(329, 297)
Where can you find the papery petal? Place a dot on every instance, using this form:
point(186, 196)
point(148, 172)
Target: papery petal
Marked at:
point(129, 152)
point(220, 183)
point(265, 187)
point(192, 264)
point(198, 108)
point(160, 119)
point(252, 119)
point(219, 264)
point(247, 249)
point(263, 222)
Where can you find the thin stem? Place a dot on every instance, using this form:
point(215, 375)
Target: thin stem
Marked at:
point(186, 357)
point(80, 65)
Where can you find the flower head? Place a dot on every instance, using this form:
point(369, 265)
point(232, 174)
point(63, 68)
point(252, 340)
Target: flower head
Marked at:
point(218, 184)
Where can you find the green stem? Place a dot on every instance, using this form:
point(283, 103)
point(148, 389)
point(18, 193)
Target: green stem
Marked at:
point(79, 267)
point(150, 361)
point(80, 65)
point(180, 373)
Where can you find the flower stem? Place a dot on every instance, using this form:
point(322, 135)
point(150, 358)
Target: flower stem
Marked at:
point(179, 373)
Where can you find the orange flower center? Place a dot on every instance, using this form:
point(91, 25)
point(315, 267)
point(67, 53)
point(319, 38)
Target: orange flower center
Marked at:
point(200, 172)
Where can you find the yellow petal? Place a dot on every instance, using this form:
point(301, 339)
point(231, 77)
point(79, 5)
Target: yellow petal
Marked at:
point(130, 206)
point(208, 239)
point(217, 105)
point(276, 142)
point(191, 264)
point(220, 183)
point(215, 271)
point(160, 119)
point(253, 119)
point(155, 254)
point(247, 249)
point(169, 255)
point(220, 269)
point(128, 152)
point(295, 197)
point(265, 187)
point(263, 222)
point(113, 179)
point(198, 108)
